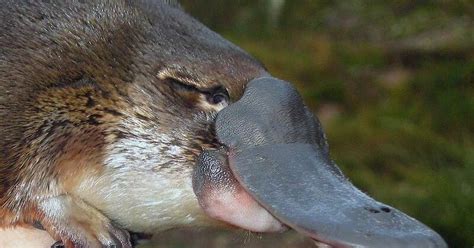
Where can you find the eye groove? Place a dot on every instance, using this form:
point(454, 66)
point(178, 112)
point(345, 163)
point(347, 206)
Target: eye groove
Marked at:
point(214, 96)
point(177, 84)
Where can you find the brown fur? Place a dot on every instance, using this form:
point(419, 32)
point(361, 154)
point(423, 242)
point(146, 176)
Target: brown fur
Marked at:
point(70, 72)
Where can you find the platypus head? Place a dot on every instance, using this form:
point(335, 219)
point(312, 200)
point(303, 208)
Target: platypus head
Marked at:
point(171, 125)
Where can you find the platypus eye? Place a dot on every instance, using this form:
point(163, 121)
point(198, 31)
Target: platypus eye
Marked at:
point(218, 96)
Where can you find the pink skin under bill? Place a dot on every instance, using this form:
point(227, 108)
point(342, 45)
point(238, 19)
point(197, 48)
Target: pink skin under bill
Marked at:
point(238, 208)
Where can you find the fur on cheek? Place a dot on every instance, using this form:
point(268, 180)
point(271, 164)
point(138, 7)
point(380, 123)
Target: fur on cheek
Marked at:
point(146, 183)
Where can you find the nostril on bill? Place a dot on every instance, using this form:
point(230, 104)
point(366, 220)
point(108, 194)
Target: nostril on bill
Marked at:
point(372, 210)
point(385, 209)
point(376, 211)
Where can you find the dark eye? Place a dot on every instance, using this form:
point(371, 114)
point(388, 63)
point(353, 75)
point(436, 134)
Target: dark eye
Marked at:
point(218, 96)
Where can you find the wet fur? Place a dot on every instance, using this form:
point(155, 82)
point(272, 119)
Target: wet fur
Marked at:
point(94, 115)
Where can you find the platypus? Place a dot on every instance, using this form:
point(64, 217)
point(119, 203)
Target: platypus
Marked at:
point(130, 115)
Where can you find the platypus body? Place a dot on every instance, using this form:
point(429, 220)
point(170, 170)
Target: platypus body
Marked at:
point(111, 121)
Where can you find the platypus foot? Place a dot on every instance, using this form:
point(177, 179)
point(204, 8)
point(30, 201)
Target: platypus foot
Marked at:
point(78, 225)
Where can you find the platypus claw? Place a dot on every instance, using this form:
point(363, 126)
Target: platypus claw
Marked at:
point(58, 244)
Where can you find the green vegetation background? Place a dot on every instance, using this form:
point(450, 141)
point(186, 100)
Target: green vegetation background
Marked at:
point(393, 84)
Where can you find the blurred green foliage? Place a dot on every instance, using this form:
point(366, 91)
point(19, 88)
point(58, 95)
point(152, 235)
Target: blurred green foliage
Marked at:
point(393, 83)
